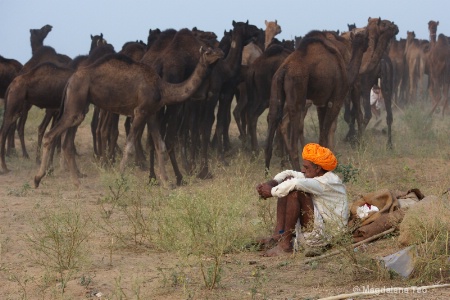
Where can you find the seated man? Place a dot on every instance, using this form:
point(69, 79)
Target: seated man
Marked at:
point(314, 200)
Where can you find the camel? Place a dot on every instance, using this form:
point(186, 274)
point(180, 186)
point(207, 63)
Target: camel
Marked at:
point(174, 57)
point(272, 29)
point(223, 82)
point(375, 64)
point(439, 67)
point(123, 86)
point(9, 69)
point(43, 87)
point(40, 54)
point(105, 125)
point(415, 61)
point(322, 70)
point(258, 82)
point(397, 56)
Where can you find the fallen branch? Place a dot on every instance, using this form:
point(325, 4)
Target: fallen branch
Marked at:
point(378, 291)
point(336, 252)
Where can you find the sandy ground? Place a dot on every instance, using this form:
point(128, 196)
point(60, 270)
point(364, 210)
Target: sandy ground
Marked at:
point(147, 274)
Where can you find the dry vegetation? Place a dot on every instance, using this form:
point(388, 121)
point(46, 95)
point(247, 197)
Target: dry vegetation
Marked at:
point(119, 237)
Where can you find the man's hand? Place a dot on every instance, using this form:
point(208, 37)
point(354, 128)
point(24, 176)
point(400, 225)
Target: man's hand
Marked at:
point(264, 189)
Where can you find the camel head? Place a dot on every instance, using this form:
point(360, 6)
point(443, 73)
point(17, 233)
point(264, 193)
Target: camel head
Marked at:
point(153, 35)
point(208, 37)
point(410, 35)
point(351, 26)
point(380, 34)
point(248, 32)
point(432, 28)
point(272, 29)
point(210, 55)
point(37, 36)
point(96, 41)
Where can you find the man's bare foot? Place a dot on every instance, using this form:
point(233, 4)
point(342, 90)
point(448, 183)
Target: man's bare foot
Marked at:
point(278, 250)
point(268, 242)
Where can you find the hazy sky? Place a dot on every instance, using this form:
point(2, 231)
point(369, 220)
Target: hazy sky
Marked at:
point(121, 21)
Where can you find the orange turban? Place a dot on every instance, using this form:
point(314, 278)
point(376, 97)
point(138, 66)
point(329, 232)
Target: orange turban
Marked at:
point(320, 156)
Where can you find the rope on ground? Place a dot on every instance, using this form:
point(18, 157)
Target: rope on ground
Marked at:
point(378, 291)
point(374, 237)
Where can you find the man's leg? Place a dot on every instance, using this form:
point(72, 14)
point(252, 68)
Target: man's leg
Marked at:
point(307, 212)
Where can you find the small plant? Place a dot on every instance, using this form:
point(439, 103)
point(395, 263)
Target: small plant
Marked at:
point(58, 241)
point(21, 192)
point(349, 172)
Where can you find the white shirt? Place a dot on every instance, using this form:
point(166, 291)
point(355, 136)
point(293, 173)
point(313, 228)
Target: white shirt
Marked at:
point(329, 195)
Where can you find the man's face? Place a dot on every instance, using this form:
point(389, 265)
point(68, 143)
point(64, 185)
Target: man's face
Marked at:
point(310, 170)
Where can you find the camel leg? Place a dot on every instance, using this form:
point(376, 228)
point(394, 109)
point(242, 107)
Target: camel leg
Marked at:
point(138, 122)
point(94, 125)
point(6, 129)
point(238, 112)
point(113, 137)
point(67, 120)
point(41, 131)
point(140, 159)
point(171, 140)
point(160, 148)
point(274, 117)
point(68, 150)
point(206, 128)
point(21, 129)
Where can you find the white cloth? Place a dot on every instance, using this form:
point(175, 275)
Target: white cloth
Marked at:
point(329, 197)
point(364, 210)
point(376, 99)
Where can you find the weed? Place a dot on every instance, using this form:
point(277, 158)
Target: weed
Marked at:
point(21, 192)
point(58, 241)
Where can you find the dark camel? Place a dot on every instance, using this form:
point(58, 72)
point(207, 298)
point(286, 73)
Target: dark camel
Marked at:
point(126, 87)
point(175, 55)
point(321, 69)
point(222, 85)
point(258, 81)
point(439, 67)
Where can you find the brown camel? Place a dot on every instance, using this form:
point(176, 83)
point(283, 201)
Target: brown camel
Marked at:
point(439, 67)
point(272, 29)
point(375, 64)
point(321, 69)
point(415, 61)
point(397, 56)
point(106, 126)
point(43, 87)
point(122, 86)
point(41, 54)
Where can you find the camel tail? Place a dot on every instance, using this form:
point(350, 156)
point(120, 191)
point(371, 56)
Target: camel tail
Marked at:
point(276, 105)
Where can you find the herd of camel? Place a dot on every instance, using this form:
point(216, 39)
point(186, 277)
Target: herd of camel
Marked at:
point(181, 82)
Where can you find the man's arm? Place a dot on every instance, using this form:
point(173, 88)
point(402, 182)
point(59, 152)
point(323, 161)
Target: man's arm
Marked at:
point(307, 185)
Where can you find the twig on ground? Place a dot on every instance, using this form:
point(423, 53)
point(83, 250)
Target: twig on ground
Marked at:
point(374, 237)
